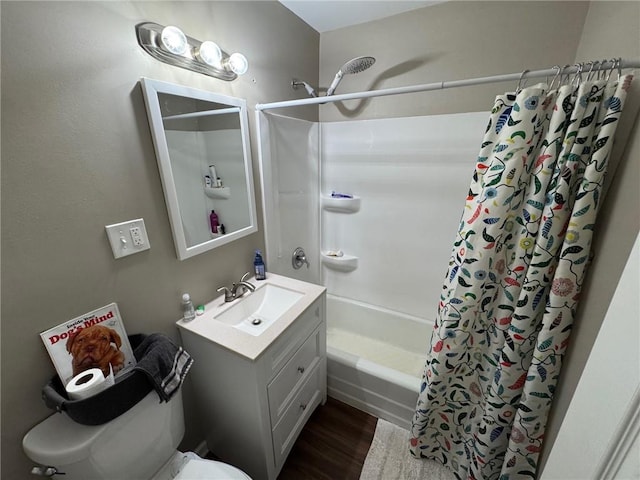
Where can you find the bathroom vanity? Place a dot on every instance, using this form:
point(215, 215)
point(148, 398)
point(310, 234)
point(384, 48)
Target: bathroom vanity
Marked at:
point(256, 389)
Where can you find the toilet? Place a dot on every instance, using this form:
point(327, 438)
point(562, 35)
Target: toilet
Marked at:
point(140, 444)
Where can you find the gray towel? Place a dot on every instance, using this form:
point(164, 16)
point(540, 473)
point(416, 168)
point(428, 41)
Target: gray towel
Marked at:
point(165, 364)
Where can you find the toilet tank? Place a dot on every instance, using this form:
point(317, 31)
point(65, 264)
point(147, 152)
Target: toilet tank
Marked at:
point(134, 445)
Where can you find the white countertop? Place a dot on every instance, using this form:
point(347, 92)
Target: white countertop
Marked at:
point(243, 343)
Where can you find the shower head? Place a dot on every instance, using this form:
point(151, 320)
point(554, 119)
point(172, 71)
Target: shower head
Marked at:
point(356, 65)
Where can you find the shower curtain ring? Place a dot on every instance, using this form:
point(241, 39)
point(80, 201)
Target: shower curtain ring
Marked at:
point(557, 75)
point(590, 73)
point(615, 63)
point(578, 76)
point(562, 78)
point(602, 73)
point(520, 86)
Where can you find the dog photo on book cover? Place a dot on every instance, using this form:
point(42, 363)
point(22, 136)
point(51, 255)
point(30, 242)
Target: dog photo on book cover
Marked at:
point(94, 340)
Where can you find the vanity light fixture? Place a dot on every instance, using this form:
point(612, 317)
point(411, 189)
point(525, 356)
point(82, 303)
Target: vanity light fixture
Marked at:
point(170, 45)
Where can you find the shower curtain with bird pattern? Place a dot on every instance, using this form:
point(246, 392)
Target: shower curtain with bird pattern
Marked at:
point(514, 278)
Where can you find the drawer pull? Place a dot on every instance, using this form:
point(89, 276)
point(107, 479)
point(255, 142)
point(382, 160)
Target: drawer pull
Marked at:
point(301, 369)
point(303, 406)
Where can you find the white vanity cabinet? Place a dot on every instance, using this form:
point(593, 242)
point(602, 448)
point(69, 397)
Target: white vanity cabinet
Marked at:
point(253, 409)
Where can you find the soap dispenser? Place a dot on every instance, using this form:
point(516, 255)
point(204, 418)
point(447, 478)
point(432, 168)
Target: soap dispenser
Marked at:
point(258, 266)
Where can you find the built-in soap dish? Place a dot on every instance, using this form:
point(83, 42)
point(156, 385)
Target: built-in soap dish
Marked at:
point(345, 263)
point(219, 193)
point(341, 204)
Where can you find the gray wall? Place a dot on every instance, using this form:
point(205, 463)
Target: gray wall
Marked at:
point(459, 40)
point(449, 41)
point(77, 155)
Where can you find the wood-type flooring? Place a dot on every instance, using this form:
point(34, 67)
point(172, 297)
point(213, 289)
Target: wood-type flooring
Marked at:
point(332, 446)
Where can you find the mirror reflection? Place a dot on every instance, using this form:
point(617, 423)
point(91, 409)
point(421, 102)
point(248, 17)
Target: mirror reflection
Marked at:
point(202, 147)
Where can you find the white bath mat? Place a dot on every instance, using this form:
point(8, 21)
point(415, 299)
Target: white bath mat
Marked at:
point(389, 458)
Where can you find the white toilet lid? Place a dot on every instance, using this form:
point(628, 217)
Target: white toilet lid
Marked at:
point(209, 470)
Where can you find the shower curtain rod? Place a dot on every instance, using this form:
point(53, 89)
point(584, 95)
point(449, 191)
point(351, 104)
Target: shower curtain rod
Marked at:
point(510, 77)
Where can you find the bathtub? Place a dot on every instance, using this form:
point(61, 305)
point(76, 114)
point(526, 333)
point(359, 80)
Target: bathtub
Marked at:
point(375, 358)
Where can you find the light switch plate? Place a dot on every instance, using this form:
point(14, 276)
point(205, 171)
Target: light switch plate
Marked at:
point(127, 237)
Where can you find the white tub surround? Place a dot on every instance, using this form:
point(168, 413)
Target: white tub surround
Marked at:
point(289, 162)
point(408, 178)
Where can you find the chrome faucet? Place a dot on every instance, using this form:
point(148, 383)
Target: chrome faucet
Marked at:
point(243, 285)
point(237, 289)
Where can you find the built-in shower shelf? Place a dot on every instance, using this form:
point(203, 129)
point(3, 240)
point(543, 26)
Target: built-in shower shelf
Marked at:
point(345, 263)
point(218, 192)
point(341, 205)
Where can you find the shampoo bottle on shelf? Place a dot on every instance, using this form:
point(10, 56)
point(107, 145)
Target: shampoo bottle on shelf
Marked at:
point(216, 181)
point(258, 266)
point(213, 220)
point(188, 311)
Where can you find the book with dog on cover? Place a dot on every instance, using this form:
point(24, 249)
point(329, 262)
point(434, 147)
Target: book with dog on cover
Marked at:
point(94, 340)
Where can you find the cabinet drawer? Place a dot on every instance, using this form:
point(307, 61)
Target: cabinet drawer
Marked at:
point(283, 348)
point(295, 416)
point(284, 385)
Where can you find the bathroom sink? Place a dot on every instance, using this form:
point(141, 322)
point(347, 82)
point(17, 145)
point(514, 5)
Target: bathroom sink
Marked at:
point(254, 312)
point(252, 322)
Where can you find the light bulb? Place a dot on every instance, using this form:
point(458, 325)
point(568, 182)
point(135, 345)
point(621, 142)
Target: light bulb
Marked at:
point(238, 64)
point(174, 40)
point(209, 53)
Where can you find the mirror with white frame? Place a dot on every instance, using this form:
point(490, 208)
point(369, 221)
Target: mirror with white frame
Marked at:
point(198, 135)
